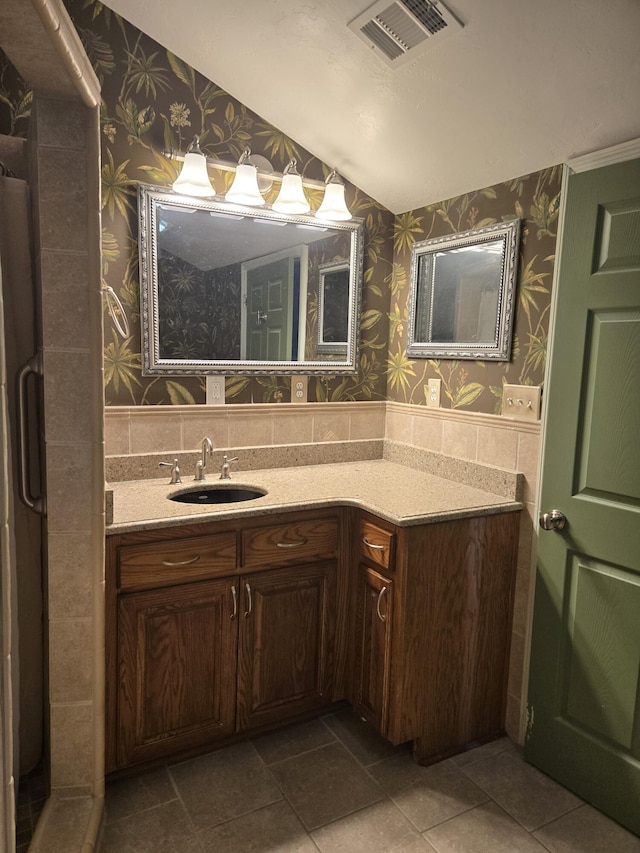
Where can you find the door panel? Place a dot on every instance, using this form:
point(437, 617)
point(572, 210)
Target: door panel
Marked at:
point(286, 642)
point(177, 668)
point(584, 689)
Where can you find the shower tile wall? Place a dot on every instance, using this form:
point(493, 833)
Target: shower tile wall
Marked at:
point(64, 134)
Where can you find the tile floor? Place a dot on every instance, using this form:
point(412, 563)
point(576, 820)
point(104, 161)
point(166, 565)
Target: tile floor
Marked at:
point(332, 785)
point(32, 794)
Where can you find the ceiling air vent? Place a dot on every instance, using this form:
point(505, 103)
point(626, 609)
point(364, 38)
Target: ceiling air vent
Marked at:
point(398, 30)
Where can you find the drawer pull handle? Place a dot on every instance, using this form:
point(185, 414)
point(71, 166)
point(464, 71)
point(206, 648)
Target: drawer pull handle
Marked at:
point(372, 546)
point(291, 544)
point(234, 595)
point(247, 612)
point(182, 562)
point(381, 616)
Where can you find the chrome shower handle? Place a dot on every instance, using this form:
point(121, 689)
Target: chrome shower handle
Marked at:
point(31, 367)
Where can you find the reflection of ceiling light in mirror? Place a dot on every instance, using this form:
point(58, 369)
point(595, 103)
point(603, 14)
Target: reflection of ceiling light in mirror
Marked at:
point(334, 206)
point(291, 198)
point(312, 227)
point(194, 179)
point(244, 189)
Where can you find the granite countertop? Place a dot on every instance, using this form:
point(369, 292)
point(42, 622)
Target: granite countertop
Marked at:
point(400, 494)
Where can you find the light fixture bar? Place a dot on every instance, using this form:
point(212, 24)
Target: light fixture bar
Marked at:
point(226, 166)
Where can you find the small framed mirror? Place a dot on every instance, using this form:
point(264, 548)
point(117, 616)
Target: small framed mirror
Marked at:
point(232, 289)
point(462, 294)
point(333, 308)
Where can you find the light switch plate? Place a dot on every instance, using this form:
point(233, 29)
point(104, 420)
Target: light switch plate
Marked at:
point(433, 393)
point(215, 391)
point(299, 386)
point(521, 401)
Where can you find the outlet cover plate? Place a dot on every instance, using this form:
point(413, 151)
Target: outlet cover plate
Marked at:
point(521, 401)
point(433, 393)
point(215, 391)
point(299, 385)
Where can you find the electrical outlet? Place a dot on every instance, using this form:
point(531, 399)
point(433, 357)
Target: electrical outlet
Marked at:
point(433, 393)
point(299, 386)
point(521, 401)
point(215, 391)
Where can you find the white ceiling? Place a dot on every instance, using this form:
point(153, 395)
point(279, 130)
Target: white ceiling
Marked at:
point(524, 85)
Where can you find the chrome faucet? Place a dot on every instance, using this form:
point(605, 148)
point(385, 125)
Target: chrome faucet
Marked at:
point(201, 464)
point(175, 471)
point(225, 471)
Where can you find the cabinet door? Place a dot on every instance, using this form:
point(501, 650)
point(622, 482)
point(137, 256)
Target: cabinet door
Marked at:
point(373, 646)
point(286, 653)
point(177, 668)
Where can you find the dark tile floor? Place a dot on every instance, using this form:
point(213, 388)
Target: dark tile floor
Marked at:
point(332, 785)
point(32, 795)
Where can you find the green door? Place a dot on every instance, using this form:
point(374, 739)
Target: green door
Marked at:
point(584, 688)
point(270, 294)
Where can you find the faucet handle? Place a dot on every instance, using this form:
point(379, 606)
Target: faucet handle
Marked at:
point(225, 471)
point(175, 471)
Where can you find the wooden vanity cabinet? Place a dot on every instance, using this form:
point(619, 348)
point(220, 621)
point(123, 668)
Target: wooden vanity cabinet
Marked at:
point(432, 626)
point(214, 633)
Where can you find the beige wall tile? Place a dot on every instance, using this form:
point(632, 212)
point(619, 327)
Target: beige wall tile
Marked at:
point(71, 659)
point(250, 430)
point(63, 201)
point(67, 393)
point(65, 300)
point(293, 428)
point(528, 453)
point(61, 123)
point(498, 446)
point(70, 575)
point(366, 424)
point(153, 433)
point(460, 439)
point(116, 434)
point(214, 423)
point(69, 506)
point(71, 745)
point(332, 426)
point(516, 665)
point(398, 427)
point(427, 432)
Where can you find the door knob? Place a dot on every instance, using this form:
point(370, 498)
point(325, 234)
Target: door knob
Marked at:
point(554, 520)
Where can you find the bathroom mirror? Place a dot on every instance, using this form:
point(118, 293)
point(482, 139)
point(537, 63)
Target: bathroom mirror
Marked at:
point(333, 308)
point(462, 294)
point(230, 289)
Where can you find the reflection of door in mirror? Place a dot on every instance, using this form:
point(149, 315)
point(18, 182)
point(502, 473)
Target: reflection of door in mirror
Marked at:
point(273, 289)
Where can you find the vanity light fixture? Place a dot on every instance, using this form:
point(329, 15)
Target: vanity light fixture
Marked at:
point(291, 198)
point(334, 206)
point(244, 189)
point(194, 179)
point(254, 175)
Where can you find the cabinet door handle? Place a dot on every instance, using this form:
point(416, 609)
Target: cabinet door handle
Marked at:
point(234, 595)
point(291, 544)
point(372, 546)
point(247, 612)
point(381, 616)
point(182, 562)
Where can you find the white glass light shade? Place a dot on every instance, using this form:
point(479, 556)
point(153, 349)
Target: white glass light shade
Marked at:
point(291, 198)
point(194, 178)
point(244, 189)
point(333, 206)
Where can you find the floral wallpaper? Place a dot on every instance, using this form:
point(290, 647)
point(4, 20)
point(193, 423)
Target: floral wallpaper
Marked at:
point(152, 101)
point(477, 385)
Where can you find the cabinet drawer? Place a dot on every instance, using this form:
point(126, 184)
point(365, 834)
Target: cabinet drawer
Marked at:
point(176, 560)
point(296, 542)
point(377, 544)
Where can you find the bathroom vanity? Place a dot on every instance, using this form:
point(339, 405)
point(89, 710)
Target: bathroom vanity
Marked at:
point(224, 621)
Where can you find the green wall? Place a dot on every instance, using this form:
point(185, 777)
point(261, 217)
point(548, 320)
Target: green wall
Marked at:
point(152, 100)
